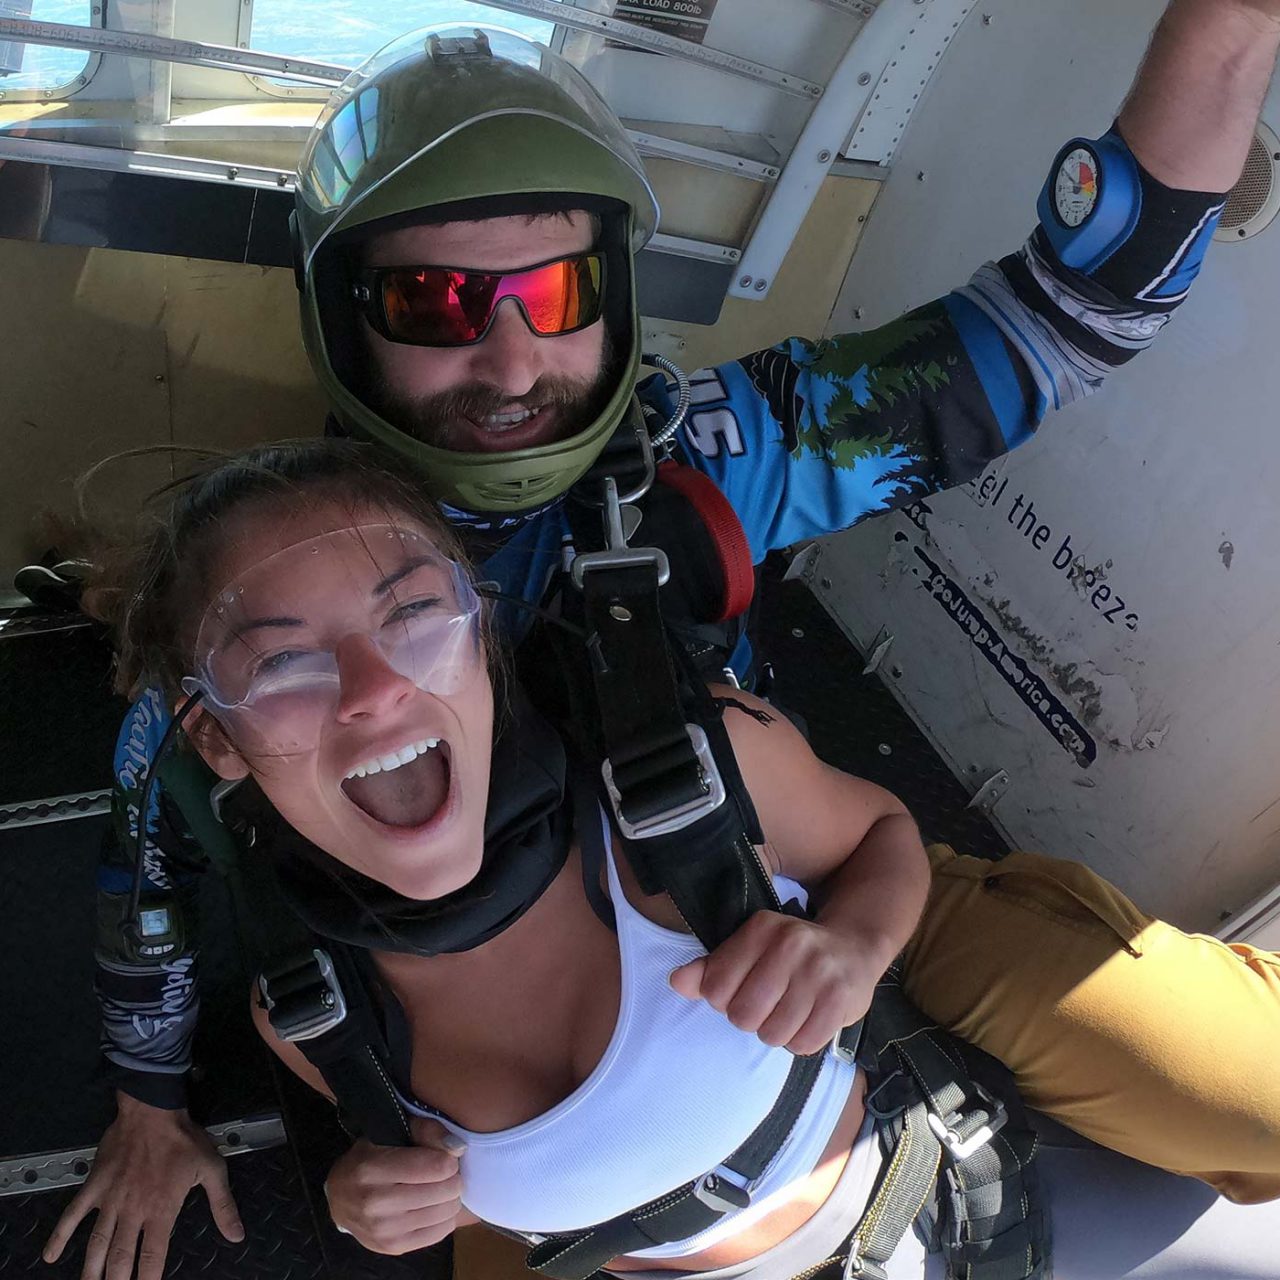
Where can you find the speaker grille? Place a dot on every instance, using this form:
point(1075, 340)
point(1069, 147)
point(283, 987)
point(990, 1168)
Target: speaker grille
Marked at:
point(1254, 200)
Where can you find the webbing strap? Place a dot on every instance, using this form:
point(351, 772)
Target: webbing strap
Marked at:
point(349, 1052)
point(728, 538)
point(688, 1209)
point(708, 864)
point(994, 1229)
point(655, 767)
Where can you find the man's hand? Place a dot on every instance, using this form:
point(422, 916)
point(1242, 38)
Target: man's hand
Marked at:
point(396, 1199)
point(792, 982)
point(147, 1161)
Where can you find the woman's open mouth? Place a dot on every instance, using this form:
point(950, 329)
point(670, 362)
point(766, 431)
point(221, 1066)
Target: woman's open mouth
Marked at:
point(406, 788)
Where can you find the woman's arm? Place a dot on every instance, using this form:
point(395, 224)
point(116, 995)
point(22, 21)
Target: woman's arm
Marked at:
point(852, 844)
point(855, 847)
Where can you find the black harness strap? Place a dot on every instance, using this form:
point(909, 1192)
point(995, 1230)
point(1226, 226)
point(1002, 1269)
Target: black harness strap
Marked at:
point(317, 1001)
point(688, 827)
point(933, 1114)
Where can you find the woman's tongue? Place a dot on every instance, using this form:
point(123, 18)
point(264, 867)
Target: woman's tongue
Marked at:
point(403, 797)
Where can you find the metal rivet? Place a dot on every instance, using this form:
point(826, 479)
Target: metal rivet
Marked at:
point(233, 174)
point(619, 613)
point(745, 282)
point(865, 78)
point(824, 156)
point(760, 286)
point(858, 313)
point(798, 632)
point(922, 176)
point(896, 672)
point(886, 749)
point(825, 584)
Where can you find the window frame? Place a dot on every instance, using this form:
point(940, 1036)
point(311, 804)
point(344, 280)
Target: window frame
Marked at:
point(305, 93)
point(69, 89)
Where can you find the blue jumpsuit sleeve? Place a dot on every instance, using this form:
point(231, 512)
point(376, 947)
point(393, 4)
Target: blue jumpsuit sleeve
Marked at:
point(810, 437)
point(149, 1007)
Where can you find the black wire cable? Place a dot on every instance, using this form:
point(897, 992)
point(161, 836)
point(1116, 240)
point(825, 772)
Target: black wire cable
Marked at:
point(131, 922)
point(519, 602)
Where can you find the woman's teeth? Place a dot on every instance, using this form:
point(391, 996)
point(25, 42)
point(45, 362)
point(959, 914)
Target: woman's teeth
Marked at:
point(505, 421)
point(385, 764)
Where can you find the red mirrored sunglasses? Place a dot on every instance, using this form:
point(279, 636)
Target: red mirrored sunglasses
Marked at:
point(454, 306)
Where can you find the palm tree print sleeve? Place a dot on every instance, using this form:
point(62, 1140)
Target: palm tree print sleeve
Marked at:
point(809, 437)
point(149, 1006)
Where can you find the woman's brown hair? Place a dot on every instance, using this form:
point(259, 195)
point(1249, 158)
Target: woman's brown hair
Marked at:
point(154, 588)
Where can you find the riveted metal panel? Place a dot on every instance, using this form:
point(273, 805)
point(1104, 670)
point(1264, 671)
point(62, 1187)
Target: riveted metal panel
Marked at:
point(1100, 614)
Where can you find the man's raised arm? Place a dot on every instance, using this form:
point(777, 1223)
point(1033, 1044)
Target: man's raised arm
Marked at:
point(807, 438)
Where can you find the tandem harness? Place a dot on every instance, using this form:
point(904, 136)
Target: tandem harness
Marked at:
point(689, 829)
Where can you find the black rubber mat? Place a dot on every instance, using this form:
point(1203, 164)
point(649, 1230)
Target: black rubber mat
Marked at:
point(854, 722)
point(48, 1015)
point(58, 718)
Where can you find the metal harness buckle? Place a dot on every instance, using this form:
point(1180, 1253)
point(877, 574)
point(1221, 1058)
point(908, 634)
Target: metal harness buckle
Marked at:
point(681, 815)
point(617, 555)
point(720, 1194)
point(857, 1267)
point(961, 1148)
point(315, 1000)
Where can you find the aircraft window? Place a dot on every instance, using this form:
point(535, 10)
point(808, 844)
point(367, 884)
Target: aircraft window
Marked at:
point(31, 68)
point(348, 31)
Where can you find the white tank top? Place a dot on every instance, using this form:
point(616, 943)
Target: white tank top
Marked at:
point(678, 1090)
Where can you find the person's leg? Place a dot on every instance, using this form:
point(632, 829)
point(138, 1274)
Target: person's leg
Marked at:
point(1112, 1218)
point(1158, 1044)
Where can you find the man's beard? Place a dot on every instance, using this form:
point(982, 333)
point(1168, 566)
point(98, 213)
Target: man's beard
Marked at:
point(434, 418)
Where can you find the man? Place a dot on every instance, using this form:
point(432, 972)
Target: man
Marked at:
point(467, 227)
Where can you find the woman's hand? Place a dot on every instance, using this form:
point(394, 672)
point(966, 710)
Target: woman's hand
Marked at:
point(147, 1161)
point(792, 982)
point(396, 1199)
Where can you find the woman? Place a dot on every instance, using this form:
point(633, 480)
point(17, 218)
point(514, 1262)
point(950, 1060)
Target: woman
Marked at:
point(318, 606)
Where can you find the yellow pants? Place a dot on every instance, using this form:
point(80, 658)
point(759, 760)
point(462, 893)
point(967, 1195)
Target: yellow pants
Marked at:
point(1159, 1044)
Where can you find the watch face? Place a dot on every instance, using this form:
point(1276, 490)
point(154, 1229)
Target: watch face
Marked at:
point(1076, 186)
point(153, 923)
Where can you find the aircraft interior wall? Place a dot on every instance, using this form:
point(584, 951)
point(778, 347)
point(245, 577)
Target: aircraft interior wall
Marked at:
point(115, 350)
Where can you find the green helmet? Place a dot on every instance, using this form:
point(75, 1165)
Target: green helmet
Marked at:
point(462, 116)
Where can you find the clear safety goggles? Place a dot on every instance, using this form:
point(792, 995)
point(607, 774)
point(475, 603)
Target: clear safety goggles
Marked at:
point(267, 651)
